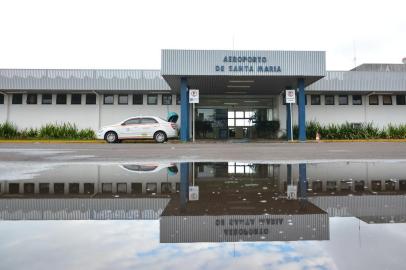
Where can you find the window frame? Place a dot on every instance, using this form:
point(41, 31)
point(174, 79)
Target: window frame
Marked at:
point(377, 100)
point(120, 96)
point(313, 99)
point(152, 95)
point(163, 96)
point(135, 118)
point(20, 99)
point(403, 100)
point(108, 96)
point(43, 100)
point(360, 100)
point(143, 118)
point(31, 95)
point(141, 96)
point(88, 100)
point(61, 95)
point(325, 100)
point(71, 99)
point(339, 101)
point(383, 100)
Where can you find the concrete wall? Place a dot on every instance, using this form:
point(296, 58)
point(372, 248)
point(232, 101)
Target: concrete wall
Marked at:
point(84, 115)
point(380, 115)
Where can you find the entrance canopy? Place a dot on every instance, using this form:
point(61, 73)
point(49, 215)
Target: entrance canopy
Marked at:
point(241, 72)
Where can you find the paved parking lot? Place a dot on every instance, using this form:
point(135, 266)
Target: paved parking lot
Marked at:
point(261, 152)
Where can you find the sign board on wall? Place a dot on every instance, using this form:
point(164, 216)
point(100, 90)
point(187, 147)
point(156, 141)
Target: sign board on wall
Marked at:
point(193, 193)
point(193, 96)
point(290, 96)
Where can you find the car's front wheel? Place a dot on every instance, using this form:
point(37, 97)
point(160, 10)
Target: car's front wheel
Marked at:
point(160, 136)
point(111, 137)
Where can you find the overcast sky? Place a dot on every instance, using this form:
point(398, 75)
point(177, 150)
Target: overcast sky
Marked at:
point(131, 33)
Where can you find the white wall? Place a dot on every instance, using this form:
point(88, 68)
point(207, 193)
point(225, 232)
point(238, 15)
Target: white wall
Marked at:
point(380, 115)
point(84, 115)
point(3, 110)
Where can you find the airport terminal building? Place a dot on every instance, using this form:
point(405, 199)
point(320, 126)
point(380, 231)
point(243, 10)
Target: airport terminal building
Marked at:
point(242, 94)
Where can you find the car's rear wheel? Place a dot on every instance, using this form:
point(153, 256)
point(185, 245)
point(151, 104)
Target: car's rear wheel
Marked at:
point(111, 137)
point(160, 136)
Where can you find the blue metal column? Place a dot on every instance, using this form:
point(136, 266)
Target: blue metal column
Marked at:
point(184, 110)
point(302, 111)
point(302, 181)
point(289, 174)
point(184, 184)
point(288, 121)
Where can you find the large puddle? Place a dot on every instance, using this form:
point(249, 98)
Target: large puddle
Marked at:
point(233, 215)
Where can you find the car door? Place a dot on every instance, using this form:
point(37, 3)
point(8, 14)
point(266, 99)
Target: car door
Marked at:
point(130, 128)
point(148, 127)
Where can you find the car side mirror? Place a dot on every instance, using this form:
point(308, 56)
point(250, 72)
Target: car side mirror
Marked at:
point(123, 124)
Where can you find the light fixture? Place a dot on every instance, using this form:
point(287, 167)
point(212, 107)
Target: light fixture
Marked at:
point(236, 92)
point(230, 103)
point(241, 81)
point(238, 86)
point(251, 101)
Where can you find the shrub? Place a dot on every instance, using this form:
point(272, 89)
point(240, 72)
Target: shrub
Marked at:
point(48, 131)
point(8, 130)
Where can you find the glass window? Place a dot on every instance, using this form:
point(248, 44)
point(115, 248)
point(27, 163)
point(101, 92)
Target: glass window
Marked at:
point(166, 99)
point(166, 188)
point(356, 100)
point(387, 99)
point(123, 99)
point(151, 187)
point(315, 99)
point(132, 121)
point(1, 99)
point(329, 100)
point(148, 121)
point(76, 99)
point(46, 99)
point(373, 100)
point(44, 188)
point(152, 99)
point(88, 188)
point(342, 100)
point(31, 98)
point(108, 99)
point(29, 187)
point(73, 188)
point(138, 99)
point(177, 99)
point(13, 188)
point(239, 114)
point(230, 114)
point(90, 99)
point(59, 188)
point(61, 99)
point(17, 99)
point(121, 187)
point(107, 187)
point(136, 187)
point(400, 100)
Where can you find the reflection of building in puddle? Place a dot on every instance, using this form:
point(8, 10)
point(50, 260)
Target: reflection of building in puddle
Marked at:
point(372, 192)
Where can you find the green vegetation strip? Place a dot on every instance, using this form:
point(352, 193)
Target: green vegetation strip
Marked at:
point(65, 131)
point(348, 131)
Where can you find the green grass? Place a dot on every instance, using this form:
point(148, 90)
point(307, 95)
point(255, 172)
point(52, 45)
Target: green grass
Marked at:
point(49, 131)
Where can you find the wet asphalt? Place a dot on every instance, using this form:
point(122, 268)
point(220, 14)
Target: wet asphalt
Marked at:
point(176, 152)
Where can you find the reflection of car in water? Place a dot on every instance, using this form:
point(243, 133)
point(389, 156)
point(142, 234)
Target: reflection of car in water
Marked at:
point(151, 168)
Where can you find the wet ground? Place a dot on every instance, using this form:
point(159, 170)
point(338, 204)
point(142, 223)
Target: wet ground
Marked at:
point(170, 152)
point(202, 215)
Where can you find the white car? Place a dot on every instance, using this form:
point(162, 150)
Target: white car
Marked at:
point(141, 127)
